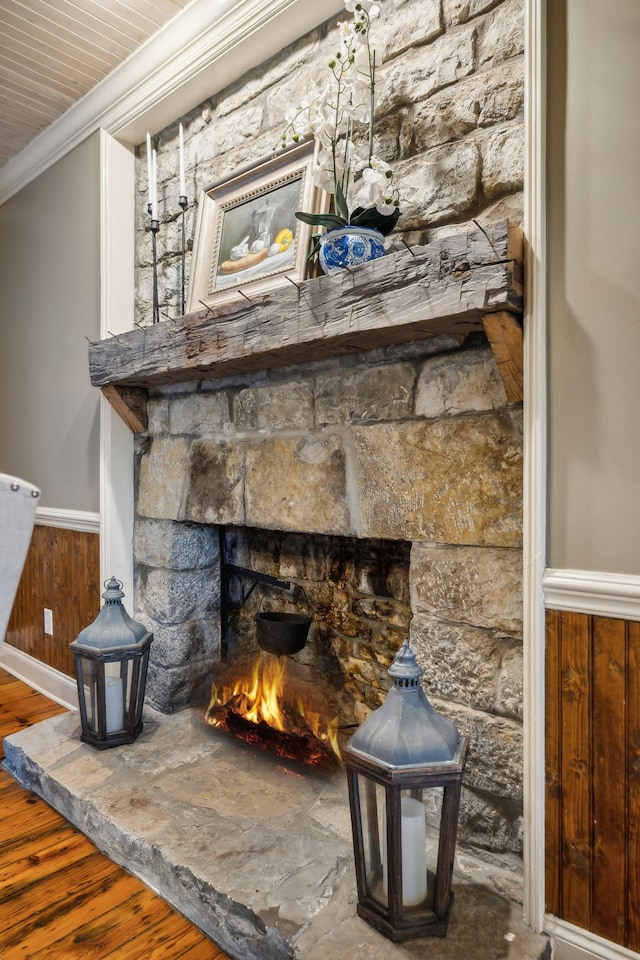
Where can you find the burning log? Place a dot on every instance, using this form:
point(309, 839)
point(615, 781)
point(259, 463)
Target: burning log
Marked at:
point(297, 743)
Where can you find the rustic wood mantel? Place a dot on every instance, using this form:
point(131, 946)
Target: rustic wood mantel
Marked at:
point(469, 281)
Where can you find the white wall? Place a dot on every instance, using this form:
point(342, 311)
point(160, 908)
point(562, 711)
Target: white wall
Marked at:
point(50, 302)
point(594, 283)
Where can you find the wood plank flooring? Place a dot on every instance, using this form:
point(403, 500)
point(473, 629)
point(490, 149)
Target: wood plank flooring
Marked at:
point(60, 898)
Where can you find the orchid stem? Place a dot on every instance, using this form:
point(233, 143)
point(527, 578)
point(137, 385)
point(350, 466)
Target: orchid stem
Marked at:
point(372, 101)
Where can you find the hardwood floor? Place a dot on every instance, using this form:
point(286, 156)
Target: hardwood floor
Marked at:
point(60, 898)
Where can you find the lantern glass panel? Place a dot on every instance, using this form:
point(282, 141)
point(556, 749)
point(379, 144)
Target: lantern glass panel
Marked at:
point(88, 678)
point(372, 805)
point(421, 814)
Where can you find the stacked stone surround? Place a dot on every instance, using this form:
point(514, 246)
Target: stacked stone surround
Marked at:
point(416, 444)
point(450, 111)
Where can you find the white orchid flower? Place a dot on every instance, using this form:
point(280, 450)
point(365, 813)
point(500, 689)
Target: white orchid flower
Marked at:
point(386, 207)
point(376, 186)
point(348, 104)
point(378, 168)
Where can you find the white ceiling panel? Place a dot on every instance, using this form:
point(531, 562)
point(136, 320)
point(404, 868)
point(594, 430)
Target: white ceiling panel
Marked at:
point(52, 52)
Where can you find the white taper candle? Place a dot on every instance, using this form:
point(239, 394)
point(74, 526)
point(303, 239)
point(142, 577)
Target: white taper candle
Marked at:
point(149, 171)
point(154, 185)
point(183, 189)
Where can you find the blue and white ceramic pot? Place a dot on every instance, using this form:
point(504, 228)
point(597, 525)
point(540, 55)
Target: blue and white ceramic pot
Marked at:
point(348, 247)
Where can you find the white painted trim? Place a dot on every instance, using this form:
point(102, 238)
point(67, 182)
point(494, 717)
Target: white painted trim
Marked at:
point(535, 457)
point(117, 294)
point(584, 591)
point(201, 50)
point(47, 681)
point(68, 519)
point(574, 943)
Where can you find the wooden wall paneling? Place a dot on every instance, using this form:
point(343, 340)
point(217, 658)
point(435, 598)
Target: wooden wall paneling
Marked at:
point(609, 810)
point(52, 562)
point(576, 850)
point(553, 761)
point(62, 573)
point(593, 774)
point(22, 629)
point(633, 780)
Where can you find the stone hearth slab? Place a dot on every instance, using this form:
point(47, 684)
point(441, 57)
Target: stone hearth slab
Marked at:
point(256, 853)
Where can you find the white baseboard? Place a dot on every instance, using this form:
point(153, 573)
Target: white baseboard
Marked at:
point(51, 683)
point(574, 943)
point(586, 591)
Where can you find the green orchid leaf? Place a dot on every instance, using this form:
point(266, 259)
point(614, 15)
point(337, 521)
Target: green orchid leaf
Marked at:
point(315, 246)
point(369, 217)
point(329, 220)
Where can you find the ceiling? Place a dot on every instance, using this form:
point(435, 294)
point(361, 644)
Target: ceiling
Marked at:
point(52, 52)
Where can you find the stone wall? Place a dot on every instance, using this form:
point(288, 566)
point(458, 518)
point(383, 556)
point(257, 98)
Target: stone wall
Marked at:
point(411, 443)
point(449, 120)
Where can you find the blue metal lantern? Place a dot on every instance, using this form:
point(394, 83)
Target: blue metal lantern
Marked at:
point(404, 770)
point(111, 658)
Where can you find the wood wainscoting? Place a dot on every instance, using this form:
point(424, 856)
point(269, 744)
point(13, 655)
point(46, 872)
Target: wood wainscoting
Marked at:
point(593, 774)
point(61, 573)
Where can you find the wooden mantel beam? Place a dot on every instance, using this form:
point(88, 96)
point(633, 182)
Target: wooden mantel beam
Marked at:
point(450, 286)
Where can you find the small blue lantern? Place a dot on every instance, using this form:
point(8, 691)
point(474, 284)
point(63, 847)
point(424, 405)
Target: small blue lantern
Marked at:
point(111, 658)
point(404, 771)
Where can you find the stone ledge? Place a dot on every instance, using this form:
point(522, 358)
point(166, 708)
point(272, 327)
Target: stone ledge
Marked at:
point(258, 858)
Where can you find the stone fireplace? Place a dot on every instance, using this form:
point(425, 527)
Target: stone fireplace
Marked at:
point(375, 460)
point(369, 453)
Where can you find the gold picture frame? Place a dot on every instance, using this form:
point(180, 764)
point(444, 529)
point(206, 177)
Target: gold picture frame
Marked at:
point(247, 236)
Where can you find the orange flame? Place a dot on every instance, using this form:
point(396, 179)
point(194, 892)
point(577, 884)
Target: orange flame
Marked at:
point(263, 692)
point(258, 698)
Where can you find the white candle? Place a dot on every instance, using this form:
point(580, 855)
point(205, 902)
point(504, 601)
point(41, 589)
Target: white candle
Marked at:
point(149, 171)
point(183, 189)
point(154, 185)
point(114, 703)
point(414, 852)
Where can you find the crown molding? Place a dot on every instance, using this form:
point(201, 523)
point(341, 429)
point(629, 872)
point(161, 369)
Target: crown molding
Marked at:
point(190, 59)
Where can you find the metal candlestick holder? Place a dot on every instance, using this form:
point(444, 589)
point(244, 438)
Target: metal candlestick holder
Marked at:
point(184, 203)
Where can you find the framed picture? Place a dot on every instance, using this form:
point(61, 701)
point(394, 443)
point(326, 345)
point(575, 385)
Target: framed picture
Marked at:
point(247, 235)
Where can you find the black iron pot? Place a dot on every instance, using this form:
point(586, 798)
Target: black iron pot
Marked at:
point(282, 634)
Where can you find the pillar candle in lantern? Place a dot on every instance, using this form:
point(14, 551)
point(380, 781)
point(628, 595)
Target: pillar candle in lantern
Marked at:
point(414, 853)
point(114, 703)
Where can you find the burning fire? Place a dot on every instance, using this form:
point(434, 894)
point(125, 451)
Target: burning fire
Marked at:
point(266, 708)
